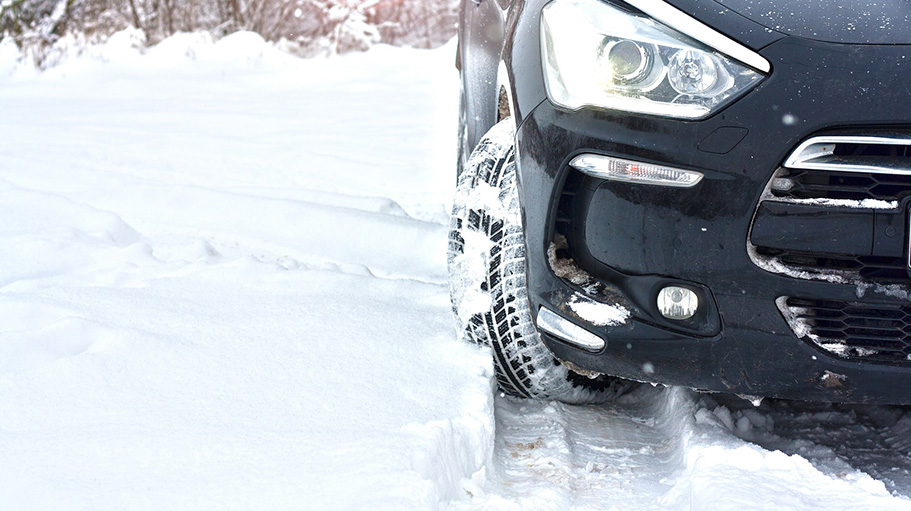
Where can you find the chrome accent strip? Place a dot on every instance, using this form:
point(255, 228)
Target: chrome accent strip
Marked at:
point(683, 22)
point(817, 153)
point(908, 244)
point(565, 330)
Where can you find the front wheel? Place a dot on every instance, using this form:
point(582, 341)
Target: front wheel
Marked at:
point(487, 279)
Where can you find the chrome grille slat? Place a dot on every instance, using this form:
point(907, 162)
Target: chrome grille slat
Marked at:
point(880, 154)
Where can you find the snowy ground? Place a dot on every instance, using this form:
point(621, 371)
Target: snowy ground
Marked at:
point(223, 287)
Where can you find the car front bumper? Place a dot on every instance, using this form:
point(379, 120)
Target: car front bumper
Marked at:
point(634, 239)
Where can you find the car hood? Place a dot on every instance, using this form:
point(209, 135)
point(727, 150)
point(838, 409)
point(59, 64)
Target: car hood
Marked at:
point(836, 21)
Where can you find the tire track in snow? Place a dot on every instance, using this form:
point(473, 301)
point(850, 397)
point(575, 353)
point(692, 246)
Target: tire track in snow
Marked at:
point(554, 456)
point(673, 449)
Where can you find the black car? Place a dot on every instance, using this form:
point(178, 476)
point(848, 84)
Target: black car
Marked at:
point(712, 194)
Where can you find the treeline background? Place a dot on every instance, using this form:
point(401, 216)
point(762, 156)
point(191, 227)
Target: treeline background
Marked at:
point(303, 27)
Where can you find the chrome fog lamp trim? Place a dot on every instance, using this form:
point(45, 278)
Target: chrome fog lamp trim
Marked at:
point(682, 22)
point(628, 171)
point(552, 324)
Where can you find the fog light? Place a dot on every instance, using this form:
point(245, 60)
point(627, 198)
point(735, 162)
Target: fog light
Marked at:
point(677, 303)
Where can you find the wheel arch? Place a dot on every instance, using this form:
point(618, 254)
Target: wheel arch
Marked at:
point(486, 79)
point(499, 53)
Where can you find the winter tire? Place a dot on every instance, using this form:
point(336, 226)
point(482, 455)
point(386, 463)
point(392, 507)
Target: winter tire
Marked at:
point(487, 278)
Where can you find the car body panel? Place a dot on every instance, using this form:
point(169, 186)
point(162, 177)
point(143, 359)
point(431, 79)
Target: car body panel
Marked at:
point(835, 21)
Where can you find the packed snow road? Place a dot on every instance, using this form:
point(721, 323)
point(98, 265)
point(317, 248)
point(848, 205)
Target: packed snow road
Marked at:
point(671, 449)
point(223, 287)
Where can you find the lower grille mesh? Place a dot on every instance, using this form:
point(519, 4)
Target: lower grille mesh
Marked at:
point(887, 270)
point(821, 184)
point(860, 331)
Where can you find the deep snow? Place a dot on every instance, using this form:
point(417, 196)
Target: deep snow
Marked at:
point(223, 283)
point(223, 287)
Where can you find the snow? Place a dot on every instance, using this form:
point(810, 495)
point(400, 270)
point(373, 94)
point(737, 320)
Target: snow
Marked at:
point(223, 283)
point(894, 290)
point(844, 203)
point(597, 313)
point(223, 287)
point(666, 449)
point(566, 268)
point(774, 265)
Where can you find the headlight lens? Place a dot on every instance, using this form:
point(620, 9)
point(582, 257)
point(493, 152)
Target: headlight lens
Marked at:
point(598, 55)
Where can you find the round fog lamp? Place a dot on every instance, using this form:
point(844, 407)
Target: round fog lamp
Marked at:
point(677, 303)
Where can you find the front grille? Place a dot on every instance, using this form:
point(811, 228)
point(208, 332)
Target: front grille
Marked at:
point(827, 184)
point(852, 330)
point(835, 184)
point(849, 167)
point(883, 269)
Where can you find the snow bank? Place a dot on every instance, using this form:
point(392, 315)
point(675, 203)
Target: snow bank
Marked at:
point(722, 472)
point(126, 49)
point(223, 281)
point(9, 56)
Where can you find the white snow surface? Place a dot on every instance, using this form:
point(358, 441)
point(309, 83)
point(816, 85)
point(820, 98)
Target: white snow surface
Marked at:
point(599, 314)
point(223, 287)
point(223, 282)
point(839, 203)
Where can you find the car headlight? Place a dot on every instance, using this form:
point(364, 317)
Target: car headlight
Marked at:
point(599, 55)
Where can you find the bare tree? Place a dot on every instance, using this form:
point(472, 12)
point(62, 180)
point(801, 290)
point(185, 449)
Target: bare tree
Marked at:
point(310, 25)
